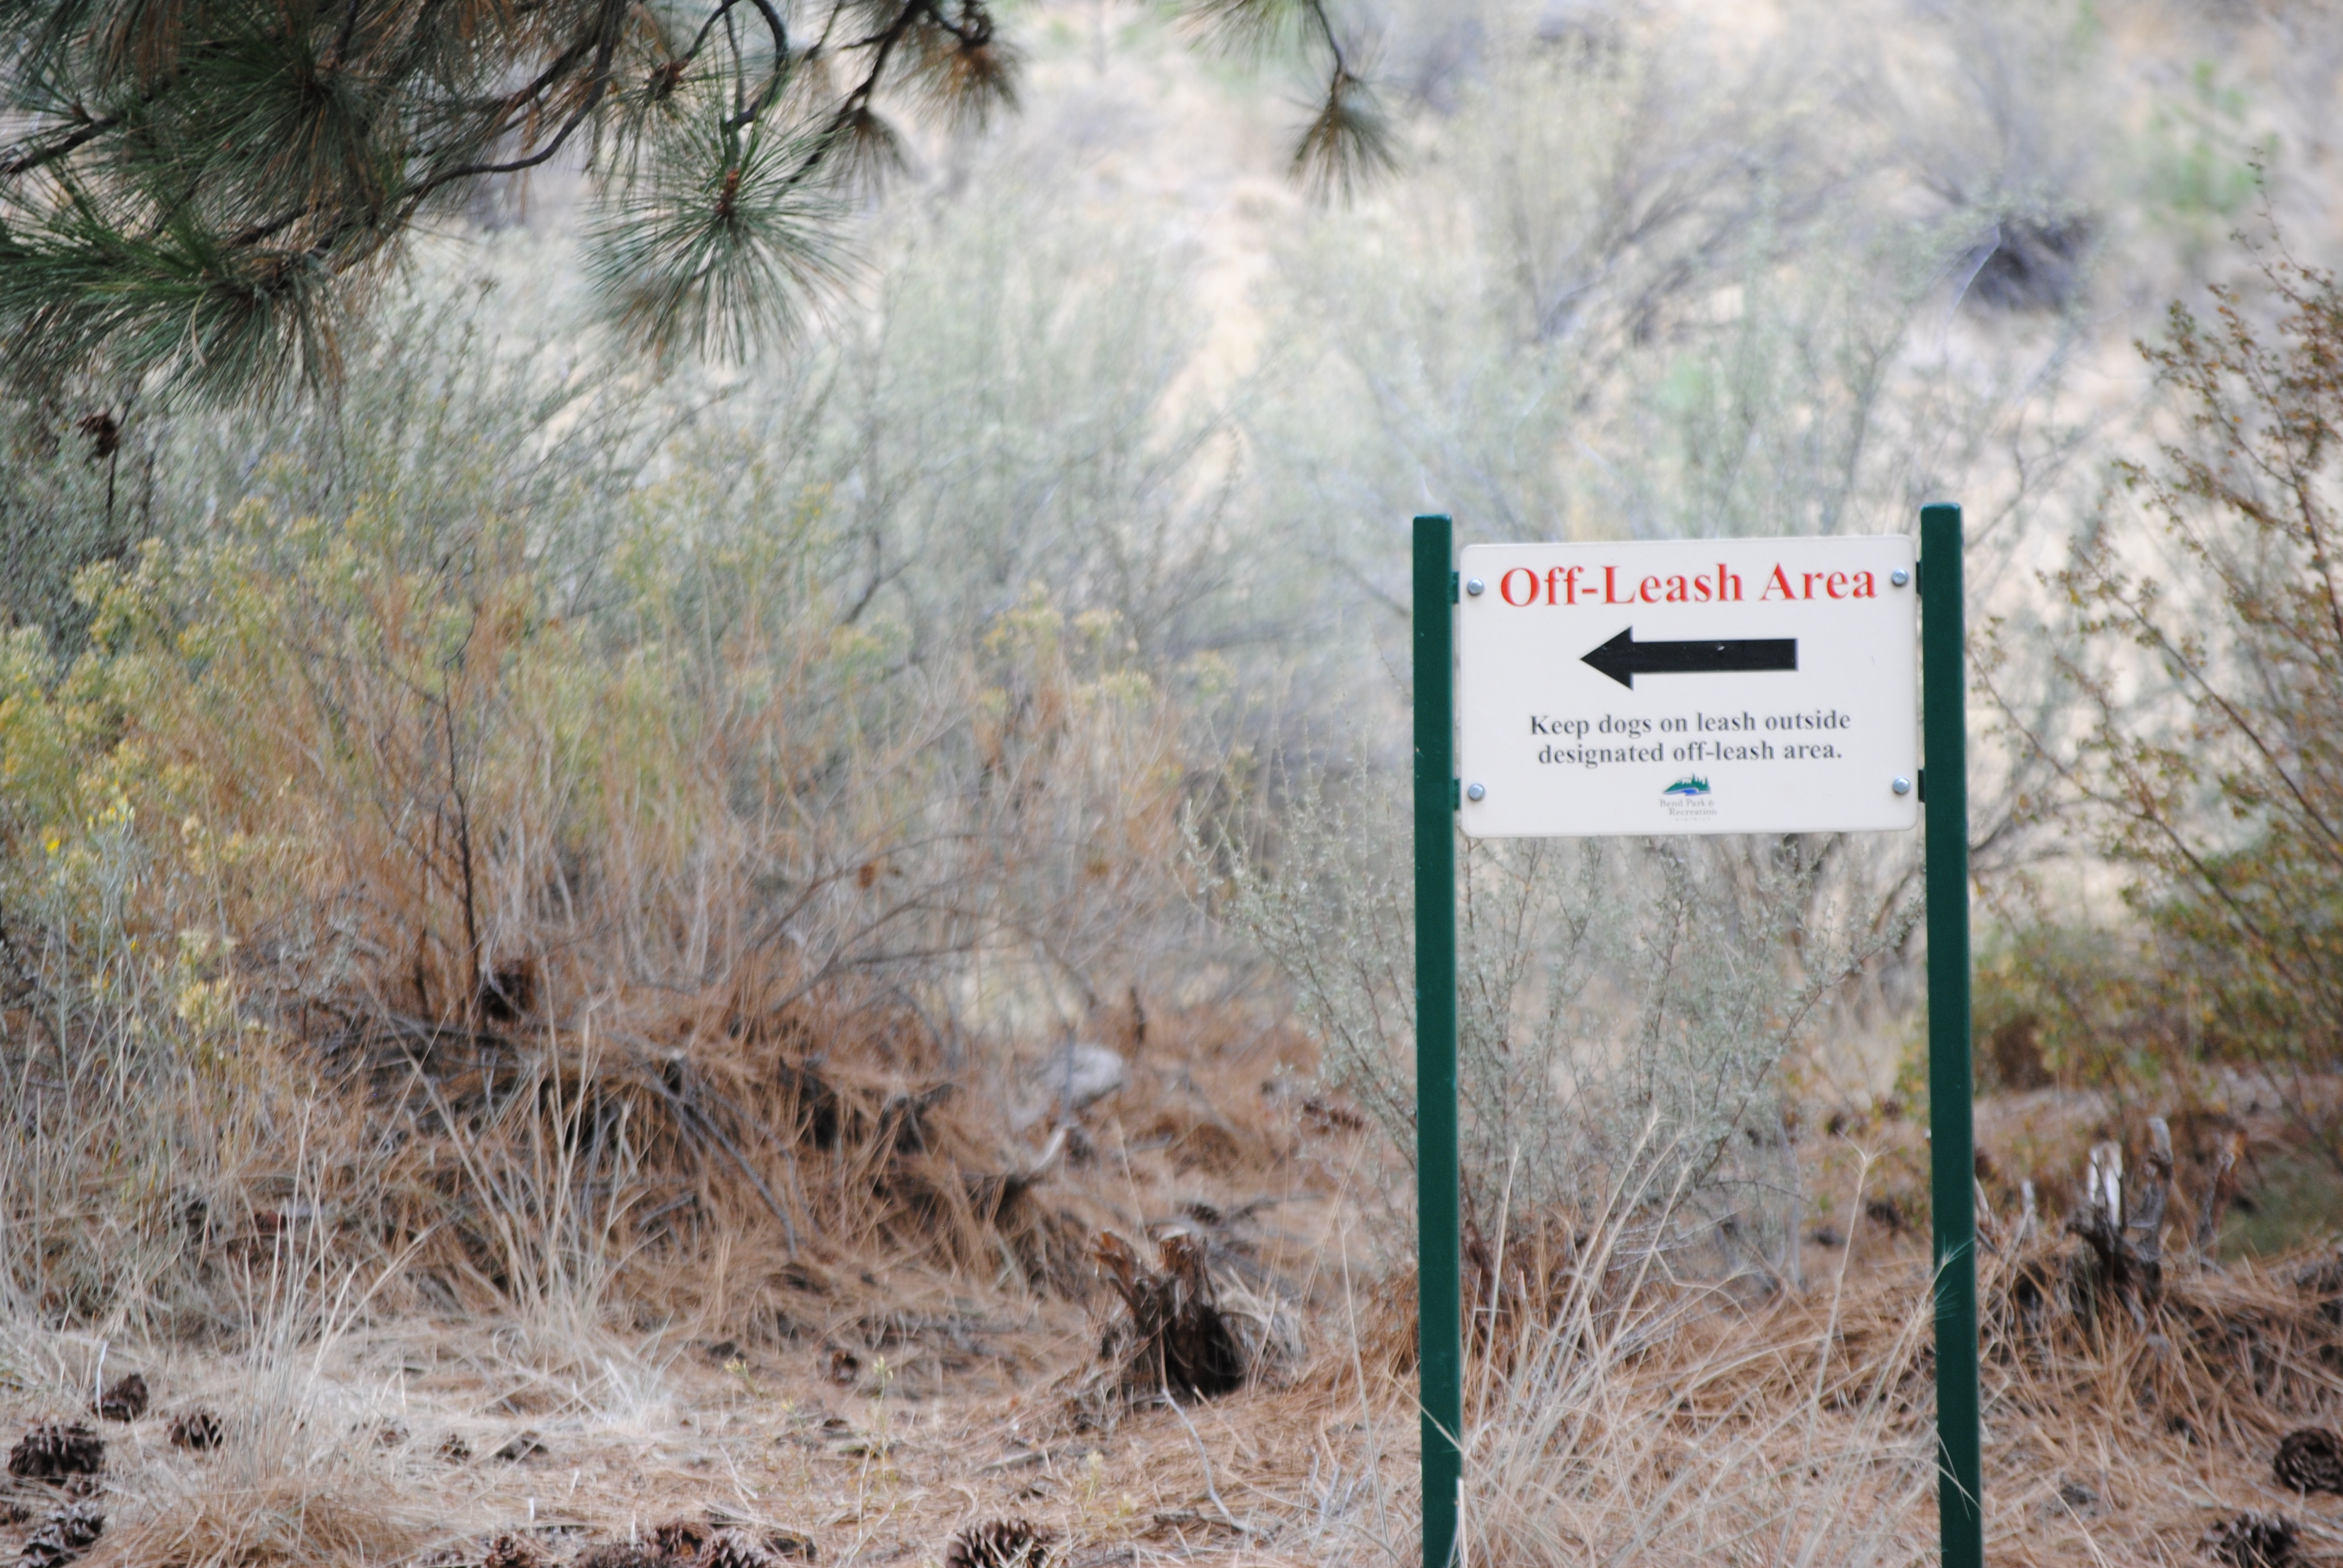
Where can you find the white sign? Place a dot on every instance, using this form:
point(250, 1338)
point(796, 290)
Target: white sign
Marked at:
point(1722, 686)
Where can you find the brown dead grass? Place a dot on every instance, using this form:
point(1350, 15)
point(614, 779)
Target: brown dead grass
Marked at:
point(211, 1523)
point(1642, 1419)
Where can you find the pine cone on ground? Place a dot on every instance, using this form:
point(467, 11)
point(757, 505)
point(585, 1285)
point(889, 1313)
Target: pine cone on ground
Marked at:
point(2310, 1458)
point(734, 1549)
point(678, 1538)
point(789, 1543)
point(620, 1554)
point(52, 1450)
point(521, 1445)
point(510, 1551)
point(454, 1449)
point(2251, 1540)
point(998, 1543)
point(197, 1429)
point(125, 1399)
point(63, 1536)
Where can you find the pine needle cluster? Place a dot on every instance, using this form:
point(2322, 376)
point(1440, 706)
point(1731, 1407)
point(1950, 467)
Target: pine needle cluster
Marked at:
point(194, 195)
point(198, 192)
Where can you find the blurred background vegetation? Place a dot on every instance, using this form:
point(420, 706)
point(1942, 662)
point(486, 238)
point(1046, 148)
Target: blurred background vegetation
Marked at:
point(1016, 644)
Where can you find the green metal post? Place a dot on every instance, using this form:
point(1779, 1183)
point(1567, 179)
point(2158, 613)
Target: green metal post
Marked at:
point(1944, 789)
point(1439, 1339)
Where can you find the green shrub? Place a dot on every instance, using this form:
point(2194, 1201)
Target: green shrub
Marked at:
point(2213, 767)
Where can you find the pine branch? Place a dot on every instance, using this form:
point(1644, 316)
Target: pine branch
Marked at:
point(27, 162)
point(1348, 142)
point(246, 164)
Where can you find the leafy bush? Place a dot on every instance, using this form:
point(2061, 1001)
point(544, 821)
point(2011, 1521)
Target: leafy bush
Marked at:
point(2213, 763)
point(657, 771)
point(2079, 1005)
point(1624, 1007)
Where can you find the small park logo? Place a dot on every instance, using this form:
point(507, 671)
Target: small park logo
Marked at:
point(1688, 797)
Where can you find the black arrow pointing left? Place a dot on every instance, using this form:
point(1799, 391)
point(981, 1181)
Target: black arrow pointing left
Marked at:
point(1623, 658)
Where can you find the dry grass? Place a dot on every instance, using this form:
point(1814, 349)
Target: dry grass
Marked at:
point(356, 892)
point(1635, 1418)
point(1655, 1423)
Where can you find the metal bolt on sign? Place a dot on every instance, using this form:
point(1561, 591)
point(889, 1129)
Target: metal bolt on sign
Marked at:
point(1697, 686)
